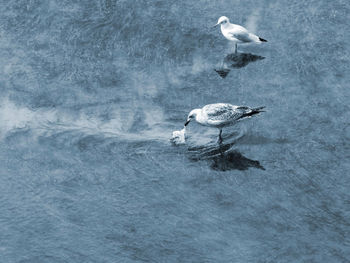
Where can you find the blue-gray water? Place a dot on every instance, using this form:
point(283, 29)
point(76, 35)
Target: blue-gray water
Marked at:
point(91, 92)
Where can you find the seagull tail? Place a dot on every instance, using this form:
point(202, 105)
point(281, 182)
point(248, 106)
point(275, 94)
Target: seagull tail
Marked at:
point(252, 112)
point(259, 109)
point(262, 40)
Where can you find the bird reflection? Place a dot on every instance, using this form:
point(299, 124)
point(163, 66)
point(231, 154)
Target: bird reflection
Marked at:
point(222, 158)
point(234, 161)
point(236, 60)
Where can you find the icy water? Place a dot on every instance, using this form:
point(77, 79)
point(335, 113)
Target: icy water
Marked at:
point(91, 92)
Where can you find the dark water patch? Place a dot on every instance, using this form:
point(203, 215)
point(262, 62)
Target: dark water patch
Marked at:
point(222, 72)
point(222, 157)
point(240, 60)
point(236, 60)
point(234, 161)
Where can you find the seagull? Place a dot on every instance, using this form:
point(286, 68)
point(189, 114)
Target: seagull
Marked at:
point(220, 115)
point(237, 33)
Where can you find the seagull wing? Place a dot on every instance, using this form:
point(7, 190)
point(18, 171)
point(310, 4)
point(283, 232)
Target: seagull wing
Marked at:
point(221, 113)
point(241, 34)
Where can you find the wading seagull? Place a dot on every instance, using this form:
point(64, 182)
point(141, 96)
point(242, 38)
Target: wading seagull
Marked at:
point(237, 33)
point(220, 115)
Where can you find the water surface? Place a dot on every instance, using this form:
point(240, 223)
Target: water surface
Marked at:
point(91, 92)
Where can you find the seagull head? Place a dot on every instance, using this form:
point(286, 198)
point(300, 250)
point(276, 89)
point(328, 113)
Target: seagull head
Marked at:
point(192, 115)
point(223, 20)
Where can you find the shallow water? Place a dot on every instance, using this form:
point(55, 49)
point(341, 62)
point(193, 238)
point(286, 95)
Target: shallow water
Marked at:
point(91, 92)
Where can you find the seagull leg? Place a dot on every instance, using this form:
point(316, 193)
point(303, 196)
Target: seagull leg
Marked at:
point(235, 48)
point(220, 138)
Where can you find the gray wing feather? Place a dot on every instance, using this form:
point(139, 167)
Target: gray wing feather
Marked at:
point(222, 113)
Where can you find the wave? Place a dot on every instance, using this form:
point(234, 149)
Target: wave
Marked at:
point(50, 122)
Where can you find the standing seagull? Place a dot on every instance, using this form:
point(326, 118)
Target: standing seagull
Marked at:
point(237, 33)
point(220, 115)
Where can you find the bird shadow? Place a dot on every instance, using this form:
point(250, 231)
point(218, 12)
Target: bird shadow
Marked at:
point(223, 158)
point(236, 60)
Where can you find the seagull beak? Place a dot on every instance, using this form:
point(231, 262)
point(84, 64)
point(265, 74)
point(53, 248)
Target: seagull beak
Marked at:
point(216, 25)
point(187, 122)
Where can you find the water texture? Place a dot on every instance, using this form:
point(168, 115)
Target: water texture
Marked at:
point(91, 92)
